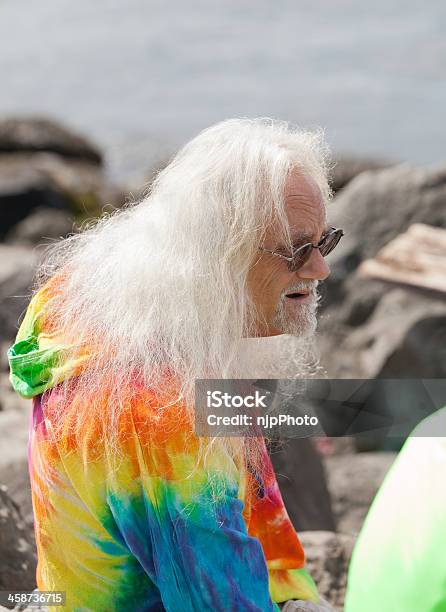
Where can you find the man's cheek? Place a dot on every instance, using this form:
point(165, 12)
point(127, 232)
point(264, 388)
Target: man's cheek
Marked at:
point(273, 281)
point(270, 293)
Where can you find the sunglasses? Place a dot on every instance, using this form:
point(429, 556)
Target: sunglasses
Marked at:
point(302, 254)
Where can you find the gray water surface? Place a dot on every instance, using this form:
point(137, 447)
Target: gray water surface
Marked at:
point(142, 76)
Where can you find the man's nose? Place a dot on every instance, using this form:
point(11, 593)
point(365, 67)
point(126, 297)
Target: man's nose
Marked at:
point(316, 268)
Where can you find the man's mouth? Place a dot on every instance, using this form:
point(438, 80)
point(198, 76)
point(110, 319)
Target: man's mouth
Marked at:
point(298, 296)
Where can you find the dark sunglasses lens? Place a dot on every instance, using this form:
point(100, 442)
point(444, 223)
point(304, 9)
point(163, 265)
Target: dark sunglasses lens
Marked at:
point(300, 258)
point(330, 243)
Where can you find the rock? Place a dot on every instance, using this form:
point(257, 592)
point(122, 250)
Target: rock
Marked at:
point(28, 181)
point(416, 258)
point(347, 168)
point(34, 134)
point(9, 399)
point(15, 477)
point(404, 337)
point(17, 550)
point(4, 365)
point(299, 468)
point(14, 426)
point(22, 188)
point(359, 299)
point(14, 422)
point(327, 558)
point(375, 207)
point(353, 481)
point(16, 275)
point(42, 226)
point(87, 186)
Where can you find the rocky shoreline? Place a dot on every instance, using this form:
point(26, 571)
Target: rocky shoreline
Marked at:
point(52, 180)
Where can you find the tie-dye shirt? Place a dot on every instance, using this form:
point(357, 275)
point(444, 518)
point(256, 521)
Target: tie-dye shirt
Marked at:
point(139, 527)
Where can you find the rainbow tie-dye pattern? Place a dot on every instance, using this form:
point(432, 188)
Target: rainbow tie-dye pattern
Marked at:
point(139, 527)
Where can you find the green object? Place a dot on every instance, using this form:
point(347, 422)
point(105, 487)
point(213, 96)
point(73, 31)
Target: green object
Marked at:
point(399, 561)
point(39, 358)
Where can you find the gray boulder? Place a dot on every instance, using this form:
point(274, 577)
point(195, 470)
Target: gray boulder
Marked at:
point(42, 226)
point(34, 134)
point(327, 558)
point(16, 275)
point(24, 187)
point(375, 207)
point(14, 426)
point(17, 549)
point(353, 481)
point(298, 467)
point(4, 366)
point(403, 337)
point(347, 167)
point(32, 180)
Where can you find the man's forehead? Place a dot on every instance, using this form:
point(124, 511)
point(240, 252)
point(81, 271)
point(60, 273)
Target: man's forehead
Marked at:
point(305, 208)
point(301, 190)
point(301, 232)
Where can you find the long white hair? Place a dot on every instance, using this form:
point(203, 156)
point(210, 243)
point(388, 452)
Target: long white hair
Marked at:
point(162, 283)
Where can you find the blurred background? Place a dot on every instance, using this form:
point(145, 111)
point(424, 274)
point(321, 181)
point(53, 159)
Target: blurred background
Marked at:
point(140, 77)
point(96, 96)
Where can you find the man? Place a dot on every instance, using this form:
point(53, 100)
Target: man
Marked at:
point(133, 510)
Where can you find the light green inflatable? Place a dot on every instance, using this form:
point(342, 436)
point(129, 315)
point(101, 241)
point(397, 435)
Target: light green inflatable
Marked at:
point(399, 561)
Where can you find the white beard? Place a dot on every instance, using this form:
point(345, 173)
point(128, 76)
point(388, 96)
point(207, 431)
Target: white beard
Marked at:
point(284, 356)
point(288, 356)
point(294, 318)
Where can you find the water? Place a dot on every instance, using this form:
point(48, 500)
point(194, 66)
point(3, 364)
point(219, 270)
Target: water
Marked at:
point(142, 76)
